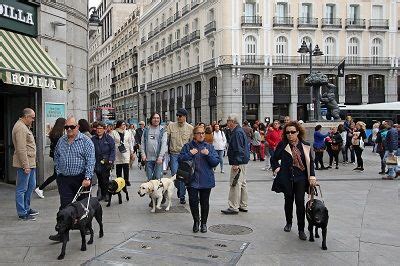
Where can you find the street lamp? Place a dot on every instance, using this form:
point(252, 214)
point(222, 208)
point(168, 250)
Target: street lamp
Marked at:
point(304, 49)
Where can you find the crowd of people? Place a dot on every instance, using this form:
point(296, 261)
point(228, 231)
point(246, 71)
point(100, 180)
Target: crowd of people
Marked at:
point(82, 151)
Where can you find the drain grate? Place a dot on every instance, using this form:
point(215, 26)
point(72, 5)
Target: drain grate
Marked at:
point(230, 229)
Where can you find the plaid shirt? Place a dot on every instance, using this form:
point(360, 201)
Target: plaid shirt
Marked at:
point(75, 158)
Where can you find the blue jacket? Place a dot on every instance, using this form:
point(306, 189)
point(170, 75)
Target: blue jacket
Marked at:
point(104, 148)
point(239, 149)
point(319, 140)
point(203, 176)
point(391, 139)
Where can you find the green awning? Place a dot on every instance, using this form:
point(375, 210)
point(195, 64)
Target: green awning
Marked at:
point(24, 62)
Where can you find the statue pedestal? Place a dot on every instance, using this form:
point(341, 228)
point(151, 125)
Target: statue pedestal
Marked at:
point(326, 126)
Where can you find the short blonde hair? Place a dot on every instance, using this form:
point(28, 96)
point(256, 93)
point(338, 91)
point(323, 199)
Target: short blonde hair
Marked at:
point(197, 128)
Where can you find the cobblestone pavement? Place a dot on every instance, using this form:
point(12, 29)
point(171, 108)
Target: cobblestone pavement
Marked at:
point(363, 227)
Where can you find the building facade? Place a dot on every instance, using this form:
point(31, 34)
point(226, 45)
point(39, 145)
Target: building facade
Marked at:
point(214, 57)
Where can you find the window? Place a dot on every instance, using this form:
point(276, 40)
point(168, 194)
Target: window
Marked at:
point(330, 13)
point(353, 49)
point(195, 24)
point(281, 46)
point(306, 12)
point(188, 89)
point(179, 63)
point(178, 34)
point(170, 39)
point(196, 54)
point(376, 48)
point(187, 60)
point(250, 8)
point(307, 40)
point(330, 46)
point(377, 12)
point(282, 10)
point(251, 45)
point(211, 15)
point(186, 29)
point(354, 13)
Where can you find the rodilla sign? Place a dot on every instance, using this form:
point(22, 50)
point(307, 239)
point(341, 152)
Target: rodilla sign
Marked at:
point(18, 16)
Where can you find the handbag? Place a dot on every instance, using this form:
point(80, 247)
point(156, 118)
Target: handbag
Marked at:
point(122, 148)
point(185, 171)
point(335, 147)
point(392, 160)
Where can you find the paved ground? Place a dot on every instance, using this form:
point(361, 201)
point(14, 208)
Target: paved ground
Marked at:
point(363, 227)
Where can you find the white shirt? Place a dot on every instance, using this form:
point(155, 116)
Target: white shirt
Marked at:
point(219, 140)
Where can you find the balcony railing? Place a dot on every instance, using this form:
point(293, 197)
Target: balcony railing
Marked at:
point(255, 21)
point(170, 20)
point(161, 53)
point(150, 35)
point(379, 24)
point(150, 59)
point(185, 40)
point(142, 63)
point(142, 40)
point(185, 9)
point(175, 76)
point(168, 49)
point(252, 60)
point(306, 22)
point(282, 22)
point(195, 3)
point(177, 16)
point(195, 35)
point(330, 61)
point(155, 56)
point(162, 25)
point(331, 23)
point(210, 27)
point(209, 64)
point(176, 45)
point(355, 23)
point(156, 30)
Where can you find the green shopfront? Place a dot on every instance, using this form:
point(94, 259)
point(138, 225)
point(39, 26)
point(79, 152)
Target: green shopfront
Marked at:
point(26, 71)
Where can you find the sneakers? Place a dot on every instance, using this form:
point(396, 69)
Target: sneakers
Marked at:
point(222, 172)
point(33, 212)
point(27, 217)
point(39, 192)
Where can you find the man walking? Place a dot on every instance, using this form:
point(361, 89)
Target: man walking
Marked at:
point(179, 133)
point(74, 158)
point(238, 156)
point(138, 142)
point(24, 159)
point(391, 145)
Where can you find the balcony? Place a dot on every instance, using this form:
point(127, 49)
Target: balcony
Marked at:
point(150, 59)
point(142, 63)
point(161, 53)
point(195, 3)
point(176, 45)
point(209, 64)
point(185, 40)
point(321, 61)
point(170, 20)
point(252, 60)
point(162, 25)
point(185, 9)
point(210, 27)
point(283, 22)
point(331, 23)
point(143, 40)
point(155, 56)
point(150, 35)
point(195, 35)
point(306, 22)
point(156, 30)
point(378, 24)
point(355, 23)
point(177, 16)
point(251, 21)
point(168, 49)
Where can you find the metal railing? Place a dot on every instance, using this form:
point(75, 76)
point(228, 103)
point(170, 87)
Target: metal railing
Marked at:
point(155, 56)
point(150, 35)
point(142, 63)
point(170, 20)
point(252, 60)
point(378, 24)
point(149, 58)
point(282, 22)
point(177, 15)
point(175, 76)
point(355, 23)
point(185, 40)
point(161, 53)
point(330, 61)
point(307, 22)
point(195, 3)
point(331, 23)
point(251, 21)
point(210, 27)
point(176, 45)
point(209, 64)
point(162, 25)
point(142, 40)
point(168, 49)
point(185, 9)
point(195, 35)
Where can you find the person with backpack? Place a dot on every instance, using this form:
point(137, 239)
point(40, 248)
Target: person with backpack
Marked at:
point(219, 143)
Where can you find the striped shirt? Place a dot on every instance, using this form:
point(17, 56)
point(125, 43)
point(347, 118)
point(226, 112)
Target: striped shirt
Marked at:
point(75, 158)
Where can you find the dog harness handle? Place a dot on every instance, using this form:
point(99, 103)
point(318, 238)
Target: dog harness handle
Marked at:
point(80, 192)
point(312, 191)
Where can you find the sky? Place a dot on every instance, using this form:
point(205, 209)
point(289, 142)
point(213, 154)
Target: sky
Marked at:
point(94, 3)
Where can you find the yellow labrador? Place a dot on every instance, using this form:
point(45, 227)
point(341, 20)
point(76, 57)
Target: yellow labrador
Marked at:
point(156, 189)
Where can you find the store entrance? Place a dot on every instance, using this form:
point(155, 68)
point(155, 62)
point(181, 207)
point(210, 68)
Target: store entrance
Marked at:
point(12, 100)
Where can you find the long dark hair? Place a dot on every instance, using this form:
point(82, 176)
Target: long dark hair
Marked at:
point(83, 125)
point(58, 129)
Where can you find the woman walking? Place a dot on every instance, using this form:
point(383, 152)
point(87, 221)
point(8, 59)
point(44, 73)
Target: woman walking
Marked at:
point(204, 158)
point(343, 134)
point(319, 147)
point(219, 143)
point(380, 147)
point(293, 166)
point(55, 134)
point(357, 142)
point(255, 143)
point(124, 143)
point(334, 146)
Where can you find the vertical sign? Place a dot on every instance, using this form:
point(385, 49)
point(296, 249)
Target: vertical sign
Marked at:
point(52, 111)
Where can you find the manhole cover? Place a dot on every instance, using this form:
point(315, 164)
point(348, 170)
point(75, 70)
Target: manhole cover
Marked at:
point(230, 229)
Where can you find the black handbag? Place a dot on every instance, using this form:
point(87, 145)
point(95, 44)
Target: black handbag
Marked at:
point(185, 171)
point(122, 148)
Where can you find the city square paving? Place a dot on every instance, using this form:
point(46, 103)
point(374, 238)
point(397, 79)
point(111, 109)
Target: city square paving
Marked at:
point(363, 227)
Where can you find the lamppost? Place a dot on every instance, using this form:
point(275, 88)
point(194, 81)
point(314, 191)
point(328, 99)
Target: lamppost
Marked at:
point(315, 95)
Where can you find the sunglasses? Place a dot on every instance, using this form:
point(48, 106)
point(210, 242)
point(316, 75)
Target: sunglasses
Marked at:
point(179, 115)
point(72, 127)
point(291, 132)
point(200, 133)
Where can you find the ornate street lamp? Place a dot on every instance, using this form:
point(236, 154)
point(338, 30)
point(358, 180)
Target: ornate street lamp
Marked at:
point(316, 80)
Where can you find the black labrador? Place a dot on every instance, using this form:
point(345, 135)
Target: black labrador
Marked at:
point(112, 190)
point(317, 215)
point(73, 217)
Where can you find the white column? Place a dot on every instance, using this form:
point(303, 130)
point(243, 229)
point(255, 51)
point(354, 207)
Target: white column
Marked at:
point(294, 97)
point(364, 89)
point(342, 89)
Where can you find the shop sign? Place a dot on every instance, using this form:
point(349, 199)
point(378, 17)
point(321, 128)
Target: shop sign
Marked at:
point(52, 111)
point(18, 16)
point(33, 81)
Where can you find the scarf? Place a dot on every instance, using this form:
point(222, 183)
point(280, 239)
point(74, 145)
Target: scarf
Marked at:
point(297, 161)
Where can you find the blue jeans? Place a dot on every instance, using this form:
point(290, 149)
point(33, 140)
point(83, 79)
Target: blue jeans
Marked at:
point(221, 159)
point(26, 183)
point(153, 170)
point(179, 184)
point(391, 168)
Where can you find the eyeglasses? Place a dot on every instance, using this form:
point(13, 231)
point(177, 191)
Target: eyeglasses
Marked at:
point(200, 133)
point(179, 115)
point(72, 127)
point(291, 132)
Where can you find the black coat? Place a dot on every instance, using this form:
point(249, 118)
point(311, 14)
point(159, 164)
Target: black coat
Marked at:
point(283, 180)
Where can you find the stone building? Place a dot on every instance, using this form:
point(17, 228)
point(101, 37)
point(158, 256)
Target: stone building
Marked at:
point(214, 57)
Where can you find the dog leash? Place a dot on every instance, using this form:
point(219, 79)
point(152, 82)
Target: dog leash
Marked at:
point(80, 192)
point(312, 191)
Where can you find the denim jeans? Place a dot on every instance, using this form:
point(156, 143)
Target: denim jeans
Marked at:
point(26, 183)
point(153, 170)
point(179, 184)
point(221, 159)
point(391, 168)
